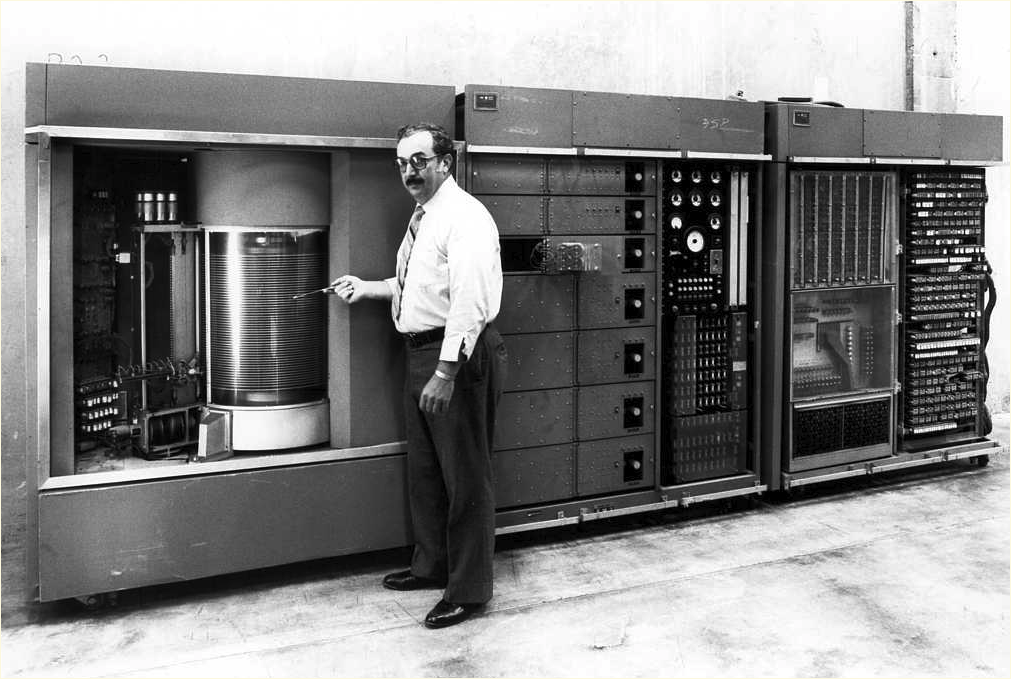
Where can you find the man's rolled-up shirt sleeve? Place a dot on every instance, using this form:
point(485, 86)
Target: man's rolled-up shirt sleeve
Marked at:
point(475, 286)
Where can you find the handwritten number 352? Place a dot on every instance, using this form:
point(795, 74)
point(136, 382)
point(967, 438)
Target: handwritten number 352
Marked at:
point(715, 123)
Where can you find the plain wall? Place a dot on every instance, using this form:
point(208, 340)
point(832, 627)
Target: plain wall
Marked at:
point(851, 52)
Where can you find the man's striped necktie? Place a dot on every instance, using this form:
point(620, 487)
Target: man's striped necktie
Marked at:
point(405, 256)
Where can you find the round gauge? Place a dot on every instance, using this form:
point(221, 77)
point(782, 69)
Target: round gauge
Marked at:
point(677, 198)
point(714, 177)
point(695, 241)
point(696, 176)
point(715, 198)
point(696, 198)
point(675, 176)
point(715, 222)
point(675, 222)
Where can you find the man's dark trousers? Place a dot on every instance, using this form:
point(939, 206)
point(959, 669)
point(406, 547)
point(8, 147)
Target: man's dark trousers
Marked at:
point(449, 470)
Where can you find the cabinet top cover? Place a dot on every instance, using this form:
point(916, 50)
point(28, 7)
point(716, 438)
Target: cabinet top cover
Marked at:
point(99, 96)
point(494, 115)
point(813, 131)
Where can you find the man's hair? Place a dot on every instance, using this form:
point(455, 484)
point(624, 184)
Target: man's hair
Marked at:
point(441, 143)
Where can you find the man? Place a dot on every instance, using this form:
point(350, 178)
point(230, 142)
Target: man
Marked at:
point(445, 295)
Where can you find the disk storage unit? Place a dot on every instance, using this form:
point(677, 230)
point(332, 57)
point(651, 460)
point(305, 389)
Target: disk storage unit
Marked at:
point(190, 416)
point(702, 299)
point(876, 309)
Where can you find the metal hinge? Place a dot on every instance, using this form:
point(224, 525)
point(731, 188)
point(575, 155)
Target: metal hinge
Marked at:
point(898, 248)
point(898, 318)
point(898, 386)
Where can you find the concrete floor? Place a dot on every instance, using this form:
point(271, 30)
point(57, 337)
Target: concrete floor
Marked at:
point(900, 576)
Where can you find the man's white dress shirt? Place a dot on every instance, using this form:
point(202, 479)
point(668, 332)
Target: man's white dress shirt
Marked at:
point(454, 273)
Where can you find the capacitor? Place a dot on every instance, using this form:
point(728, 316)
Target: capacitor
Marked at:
point(172, 212)
point(160, 207)
point(148, 207)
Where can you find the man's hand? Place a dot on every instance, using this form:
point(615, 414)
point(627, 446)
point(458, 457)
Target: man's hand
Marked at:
point(353, 289)
point(436, 395)
point(349, 288)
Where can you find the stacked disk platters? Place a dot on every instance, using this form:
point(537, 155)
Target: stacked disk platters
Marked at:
point(943, 377)
point(705, 320)
point(578, 415)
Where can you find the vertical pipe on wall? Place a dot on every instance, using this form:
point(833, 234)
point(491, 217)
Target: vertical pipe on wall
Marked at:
point(909, 82)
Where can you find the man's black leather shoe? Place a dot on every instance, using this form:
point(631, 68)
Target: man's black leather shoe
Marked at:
point(445, 614)
point(406, 581)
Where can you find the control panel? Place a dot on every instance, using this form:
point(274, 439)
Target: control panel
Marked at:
point(706, 230)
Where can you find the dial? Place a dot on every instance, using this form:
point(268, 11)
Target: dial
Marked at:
point(675, 176)
point(677, 198)
point(696, 198)
point(715, 222)
point(714, 177)
point(715, 198)
point(675, 222)
point(696, 176)
point(695, 241)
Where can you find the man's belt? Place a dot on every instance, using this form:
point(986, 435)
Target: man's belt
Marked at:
point(420, 339)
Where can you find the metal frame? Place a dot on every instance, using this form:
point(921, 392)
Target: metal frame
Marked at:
point(44, 136)
point(117, 134)
point(893, 463)
point(875, 160)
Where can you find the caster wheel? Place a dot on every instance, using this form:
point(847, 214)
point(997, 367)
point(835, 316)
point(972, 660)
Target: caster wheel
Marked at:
point(98, 602)
point(982, 460)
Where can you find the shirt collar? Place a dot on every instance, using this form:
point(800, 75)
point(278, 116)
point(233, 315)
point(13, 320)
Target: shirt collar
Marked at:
point(442, 196)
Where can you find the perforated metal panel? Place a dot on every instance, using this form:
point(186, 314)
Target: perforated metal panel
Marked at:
point(615, 410)
point(579, 214)
point(540, 361)
point(706, 447)
point(532, 475)
point(534, 418)
point(507, 174)
point(600, 176)
point(616, 355)
point(516, 215)
point(536, 303)
point(615, 464)
point(614, 301)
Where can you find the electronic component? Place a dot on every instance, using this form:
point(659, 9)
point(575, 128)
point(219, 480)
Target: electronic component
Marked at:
point(945, 264)
point(705, 336)
point(843, 230)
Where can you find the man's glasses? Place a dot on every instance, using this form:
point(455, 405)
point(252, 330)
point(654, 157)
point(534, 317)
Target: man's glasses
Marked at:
point(417, 161)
